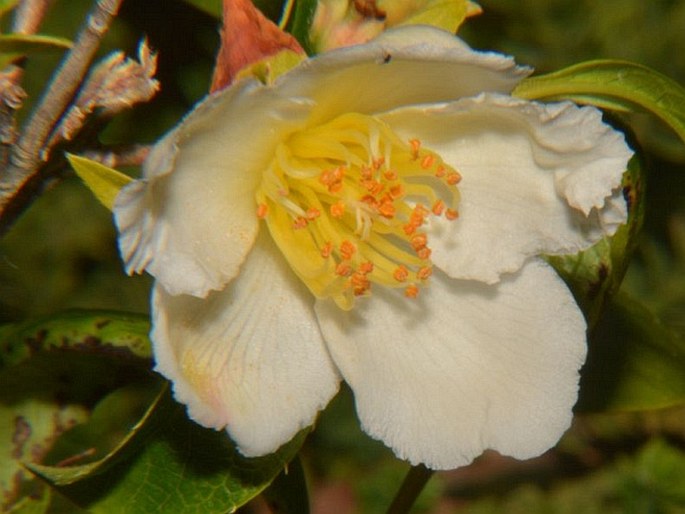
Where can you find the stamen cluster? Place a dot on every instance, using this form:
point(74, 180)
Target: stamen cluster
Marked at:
point(346, 202)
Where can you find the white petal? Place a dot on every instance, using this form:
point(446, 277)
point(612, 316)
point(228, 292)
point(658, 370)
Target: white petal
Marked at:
point(250, 357)
point(464, 368)
point(404, 66)
point(537, 179)
point(191, 221)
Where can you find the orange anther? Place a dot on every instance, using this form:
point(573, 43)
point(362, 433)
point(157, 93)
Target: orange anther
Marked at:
point(262, 211)
point(366, 267)
point(365, 172)
point(333, 179)
point(337, 209)
point(313, 213)
point(409, 228)
point(438, 207)
point(415, 145)
point(440, 171)
point(343, 269)
point(424, 253)
point(377, 163)
point(372, 186)
point(401, 273)
point(453, 178)
point(417, 216)
point(300, 222)
point(390, 175)
point(419, 241)
point(424, 273)
point(396, 191)
point(411, 291)
point(326, 177)
point(370, 201)
point(347, 250)
point(326, 250)
point(360, 284)
point(427, 161)
point(421, 209)
point(451, 214)
point(387, 208)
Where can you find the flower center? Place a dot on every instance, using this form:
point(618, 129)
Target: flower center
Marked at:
point(345, 203)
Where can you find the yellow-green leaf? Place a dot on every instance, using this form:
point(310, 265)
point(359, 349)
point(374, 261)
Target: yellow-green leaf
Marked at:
point(270, 68)
point(444, 14)
point(31, 43)
point(104, 182)
point(610, 84)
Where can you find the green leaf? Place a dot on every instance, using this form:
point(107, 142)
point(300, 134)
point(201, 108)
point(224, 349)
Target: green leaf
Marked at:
point(612, 84)
point(117, 335)
point(115, 423)
point(183, 468)
point(104, 182)
point(52, 371)
point(634, 362)
point(31, 43)
point(302, 17)
point(596, 274)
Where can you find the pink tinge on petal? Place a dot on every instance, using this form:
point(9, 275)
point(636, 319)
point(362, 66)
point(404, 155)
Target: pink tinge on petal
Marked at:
point(249, 358)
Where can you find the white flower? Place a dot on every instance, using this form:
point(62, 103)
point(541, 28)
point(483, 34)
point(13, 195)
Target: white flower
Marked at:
point(289, 227)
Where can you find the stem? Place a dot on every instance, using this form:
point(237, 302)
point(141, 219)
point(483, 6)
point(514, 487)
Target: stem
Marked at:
point(116, 157)
point(411, 487)
point(22, 178)
point(28, 16)
point(66, 81)
point(285, 15)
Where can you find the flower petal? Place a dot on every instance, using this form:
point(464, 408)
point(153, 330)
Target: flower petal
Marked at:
point(465, 367)
point(537, 179)
point(191, 221)
point(251, 357)
point(404, 66)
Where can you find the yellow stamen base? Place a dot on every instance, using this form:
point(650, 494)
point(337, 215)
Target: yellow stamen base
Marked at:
point(345, 203)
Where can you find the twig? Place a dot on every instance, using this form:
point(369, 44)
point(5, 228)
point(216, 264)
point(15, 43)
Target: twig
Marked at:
point(22, 177)
point(28, 16)
point(11, 98)
point(117, 157)
point(411, 487)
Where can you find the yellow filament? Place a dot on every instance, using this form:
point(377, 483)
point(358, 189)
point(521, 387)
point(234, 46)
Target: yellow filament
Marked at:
point(345, 202)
